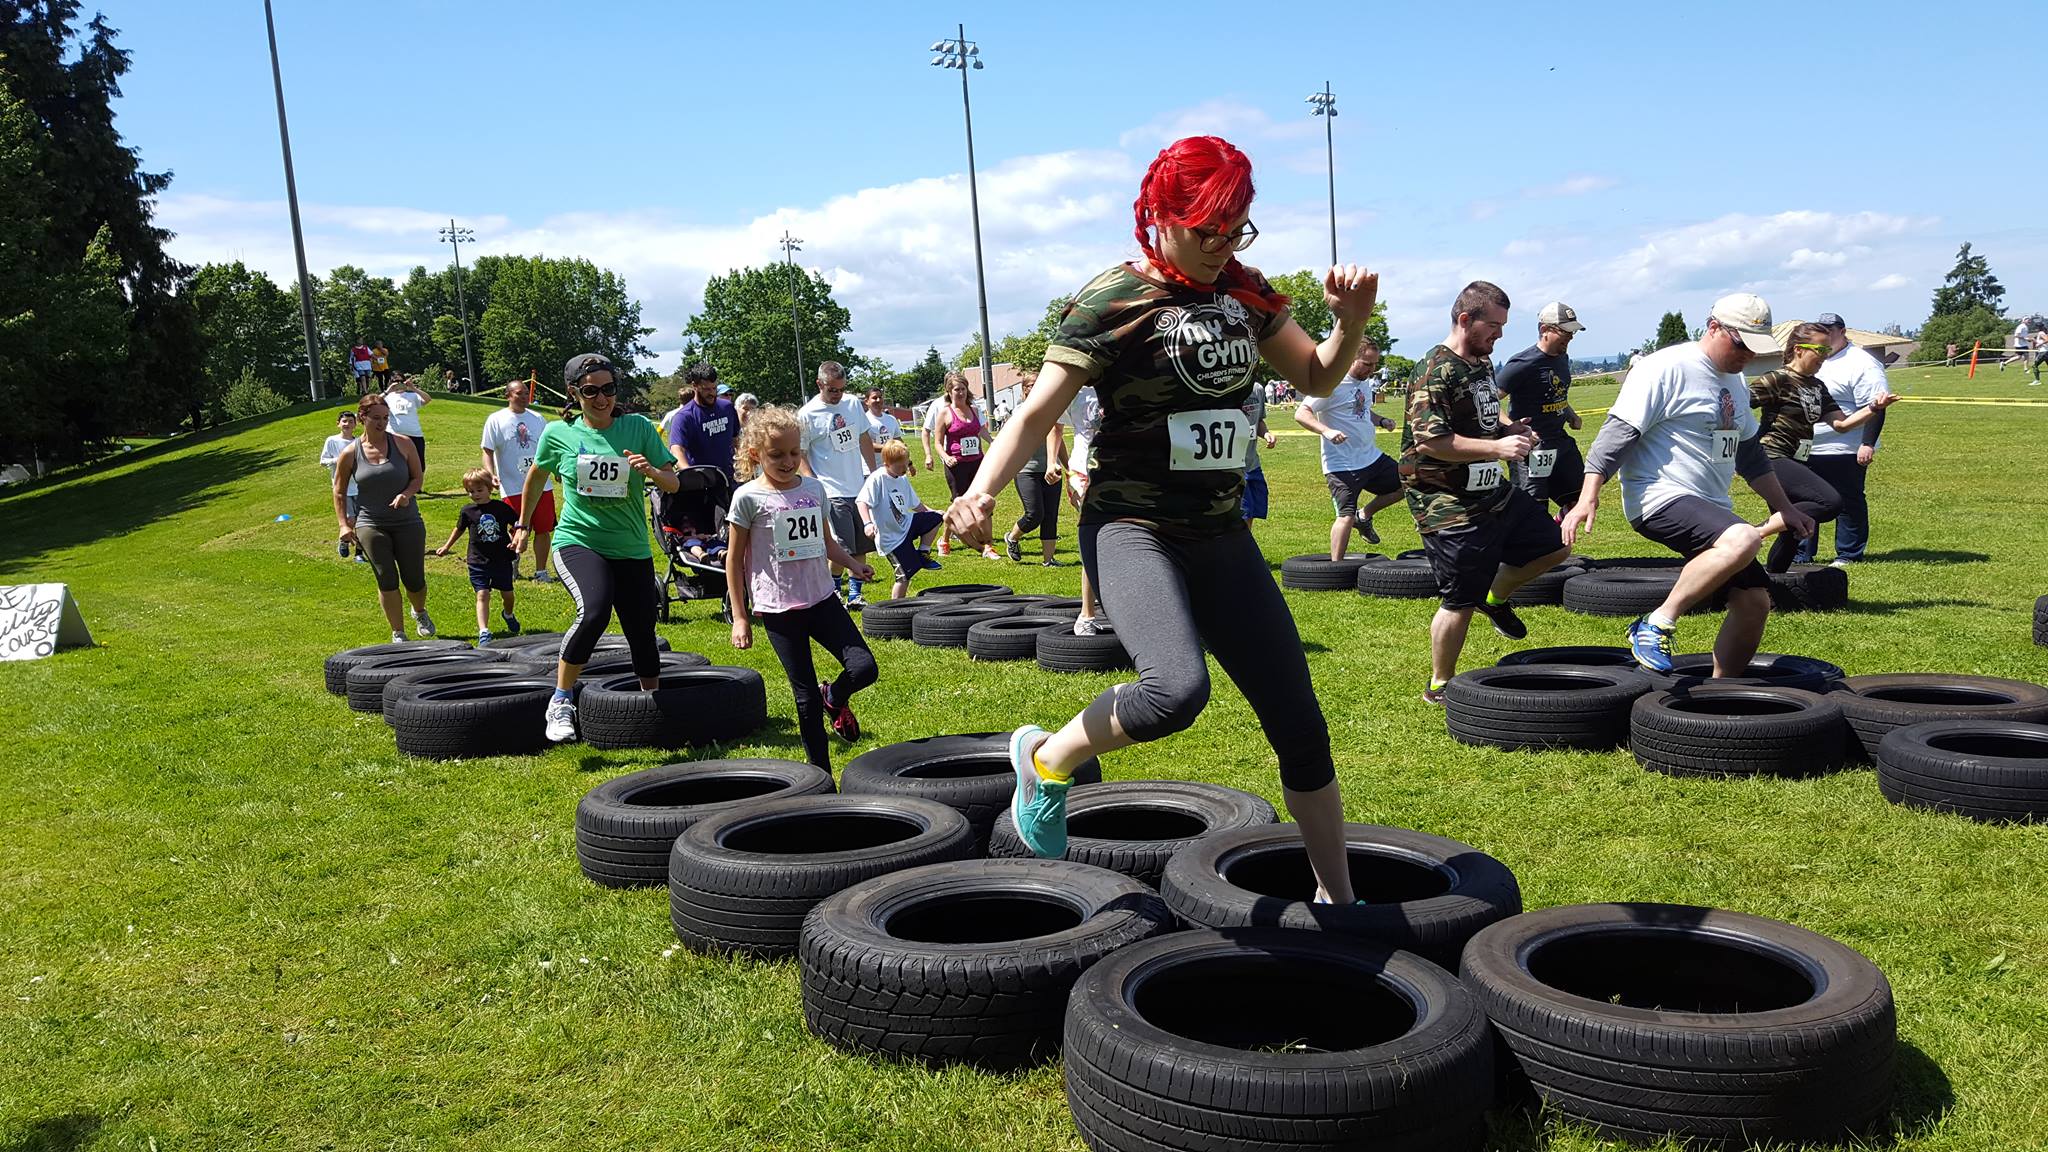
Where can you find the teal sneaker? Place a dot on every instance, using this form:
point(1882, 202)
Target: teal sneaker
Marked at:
point(1039, 807)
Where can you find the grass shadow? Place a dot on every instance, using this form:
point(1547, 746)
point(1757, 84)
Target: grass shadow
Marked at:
point(55, 1133)
point(1312, 646)
point(53, 519)
point(775, 730)
point(1931, 556)
point(1894, 607)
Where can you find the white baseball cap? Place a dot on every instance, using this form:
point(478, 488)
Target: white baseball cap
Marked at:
point(1746, 315)
point(1558, 314)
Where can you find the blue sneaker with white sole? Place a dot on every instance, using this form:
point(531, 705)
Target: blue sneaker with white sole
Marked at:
point(1650, 645)
point(1039, 806)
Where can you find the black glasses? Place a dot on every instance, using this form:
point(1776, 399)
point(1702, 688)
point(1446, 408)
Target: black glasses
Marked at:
point(1213, 241)
point(609, 388)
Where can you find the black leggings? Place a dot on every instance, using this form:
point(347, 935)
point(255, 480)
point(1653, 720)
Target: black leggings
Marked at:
point(1808, 493)
point(1170, 597)
point(791, 633)
point(601, 586)
point(960, 475)
point(1041, 505)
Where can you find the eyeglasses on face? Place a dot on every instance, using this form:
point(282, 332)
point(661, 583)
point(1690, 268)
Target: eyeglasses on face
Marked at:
point(609, 388)
point(1213, 241)
point(1811, 347)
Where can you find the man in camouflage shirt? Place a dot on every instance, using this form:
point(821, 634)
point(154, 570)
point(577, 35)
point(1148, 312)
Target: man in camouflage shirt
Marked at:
point(1484, 537)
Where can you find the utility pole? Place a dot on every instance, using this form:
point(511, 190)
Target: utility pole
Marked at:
point(455, 238)
point(291, 195)
point(1326, 106)
point(796, 325)
point(959, 53)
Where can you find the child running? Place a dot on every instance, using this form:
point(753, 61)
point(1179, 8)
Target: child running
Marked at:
point(892, 513)
point(492, 561)
point(786, 576)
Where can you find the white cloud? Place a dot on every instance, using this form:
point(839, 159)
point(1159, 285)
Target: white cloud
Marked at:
point(1572, 186)
point(1890, 281)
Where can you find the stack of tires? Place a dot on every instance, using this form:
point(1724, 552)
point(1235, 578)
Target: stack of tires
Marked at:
point(1994, 771)
point(1318, 573)
point(626, 827)
point(1403, 578)
point(2041, 621)
point(1059, 650)
point(1714, 728)
point(1530, 705)
point(1609, 590)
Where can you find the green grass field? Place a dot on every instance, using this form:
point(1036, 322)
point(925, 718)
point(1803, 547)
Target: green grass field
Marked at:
point(236, 918)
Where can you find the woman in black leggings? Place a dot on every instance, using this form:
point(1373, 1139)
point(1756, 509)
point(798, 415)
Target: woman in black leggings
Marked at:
point(1170, 343)
point(1790, 402)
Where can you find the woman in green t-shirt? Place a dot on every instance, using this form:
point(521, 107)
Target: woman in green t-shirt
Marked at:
point(601, 549)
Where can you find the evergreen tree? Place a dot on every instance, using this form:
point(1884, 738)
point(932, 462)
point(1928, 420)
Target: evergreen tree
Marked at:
point(1968, 286)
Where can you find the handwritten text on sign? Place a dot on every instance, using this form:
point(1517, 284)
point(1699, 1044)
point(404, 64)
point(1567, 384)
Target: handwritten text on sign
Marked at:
point(35, 619)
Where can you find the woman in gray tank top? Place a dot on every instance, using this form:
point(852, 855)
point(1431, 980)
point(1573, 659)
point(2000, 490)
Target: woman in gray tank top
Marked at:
point(388, 528)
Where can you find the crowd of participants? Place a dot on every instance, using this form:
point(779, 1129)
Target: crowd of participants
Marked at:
point(1152, 373)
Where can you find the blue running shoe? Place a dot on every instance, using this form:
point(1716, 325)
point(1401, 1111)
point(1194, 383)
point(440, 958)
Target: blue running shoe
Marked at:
point(1650, 644)
point(930, 565)
point(1039, 806)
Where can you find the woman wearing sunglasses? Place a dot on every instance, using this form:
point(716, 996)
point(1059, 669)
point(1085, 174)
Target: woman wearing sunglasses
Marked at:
point(1171, 342)
point(604, 459)
point(1791, 401)
point(384, 469)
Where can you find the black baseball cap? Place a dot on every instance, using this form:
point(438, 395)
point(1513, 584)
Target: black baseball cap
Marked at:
point(583, 364)
point(1830, 320)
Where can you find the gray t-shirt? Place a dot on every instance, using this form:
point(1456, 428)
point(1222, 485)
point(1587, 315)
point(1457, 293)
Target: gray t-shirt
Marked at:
point(1254, 411)
point(1690, 417)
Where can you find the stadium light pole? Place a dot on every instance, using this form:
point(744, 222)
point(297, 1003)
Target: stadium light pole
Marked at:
point(1326, 106)
point(961, 53)
point(455, 238)
point(291, 196)
point(791, 244)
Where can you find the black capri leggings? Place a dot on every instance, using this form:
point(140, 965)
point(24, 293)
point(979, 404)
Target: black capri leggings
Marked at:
point(791, 633)
point(1041, 505)
point(959, 476)
point(1171, 597)
point(1808, 493)
point(601, 586)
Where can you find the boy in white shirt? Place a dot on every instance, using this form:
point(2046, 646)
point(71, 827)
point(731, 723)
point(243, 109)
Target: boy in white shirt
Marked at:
point(330, 454)
point(895, 518)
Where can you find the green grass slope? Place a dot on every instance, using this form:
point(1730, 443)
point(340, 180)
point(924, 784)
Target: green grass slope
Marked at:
point(235, 917)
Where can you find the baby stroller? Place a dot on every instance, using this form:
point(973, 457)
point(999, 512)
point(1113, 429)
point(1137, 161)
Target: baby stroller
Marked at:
point(694, 516)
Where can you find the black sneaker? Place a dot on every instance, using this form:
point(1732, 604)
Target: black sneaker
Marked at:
point(1504, 620)
point(1016, 549)
point(1372, 535)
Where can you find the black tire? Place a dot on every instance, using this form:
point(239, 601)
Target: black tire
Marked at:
point(548, 655)
point(1542, 706)
point(460, 721)
point(964, 592)
point(1810, 588)
point(1067, 607)
point(421, 679)
point(1059, 650)
point(969, 772)
point(968, 962)
point(1135, 827)
point(1545, 588)
point(946, 627)
point(1317, 1044)
point(1398, 580)
point(1412, 554)
point(2041, 621)
point(1765, 669)
point(336, 666)
point(1994, 771)
point(1621, 591)
point(1874, 705)
point(520, 640)
point(1009, 637)
point(1717, 729)
point(1636, 563)
point(1576, 655)
point(692, 706)
point(891, 619)
point(366, 679)
point(619, 663)
point(743, 880)
point(1424, 894)
point(626, 826)
point(1318, 573)
point(1658, 1018)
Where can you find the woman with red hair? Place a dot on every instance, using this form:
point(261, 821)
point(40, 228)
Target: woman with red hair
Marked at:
point(1170, 342)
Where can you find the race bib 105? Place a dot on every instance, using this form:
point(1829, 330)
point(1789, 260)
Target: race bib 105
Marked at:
point(1211, 441)
point(1483, 475)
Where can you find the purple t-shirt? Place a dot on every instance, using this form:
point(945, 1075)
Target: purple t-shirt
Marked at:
point(786, 565)
point(707, 436)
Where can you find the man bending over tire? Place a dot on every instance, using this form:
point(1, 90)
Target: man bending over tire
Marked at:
point(1678, 433)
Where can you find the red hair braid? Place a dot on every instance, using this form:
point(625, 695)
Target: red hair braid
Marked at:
point(1196, 181)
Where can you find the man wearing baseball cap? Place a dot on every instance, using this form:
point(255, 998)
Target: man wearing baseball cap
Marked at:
point(1678, 433)
point(1854, 379)
point(1537, 382)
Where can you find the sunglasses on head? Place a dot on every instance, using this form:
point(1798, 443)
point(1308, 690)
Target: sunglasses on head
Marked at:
point(609, 388)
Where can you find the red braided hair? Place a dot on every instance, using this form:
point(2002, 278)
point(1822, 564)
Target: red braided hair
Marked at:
point(1197, 181)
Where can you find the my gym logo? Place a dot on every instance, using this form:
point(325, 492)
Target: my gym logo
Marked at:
point(1211, 345)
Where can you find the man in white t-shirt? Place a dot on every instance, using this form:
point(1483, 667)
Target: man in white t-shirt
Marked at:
point(1843, 459)
point(1678, 433)
point(838, 444)
point(1084, 416)
point(1352, 461)
point(2019, 346)
point(330, 454)
point(511, 436)
point(887, 427)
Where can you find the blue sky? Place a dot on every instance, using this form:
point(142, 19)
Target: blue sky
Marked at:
point(1627, 158)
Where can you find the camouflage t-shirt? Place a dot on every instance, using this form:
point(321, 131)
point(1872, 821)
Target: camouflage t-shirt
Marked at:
point(1452, 396)
point(1172, 367)
point(1790, 405)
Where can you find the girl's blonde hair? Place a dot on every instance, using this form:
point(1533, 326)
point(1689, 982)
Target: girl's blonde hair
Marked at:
point(765, 424)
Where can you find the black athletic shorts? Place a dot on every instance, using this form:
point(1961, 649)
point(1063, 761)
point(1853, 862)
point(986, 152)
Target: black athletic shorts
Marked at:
point(1562, 483)
point(1465, 560)
point(1690, 526)
point(1380, 477)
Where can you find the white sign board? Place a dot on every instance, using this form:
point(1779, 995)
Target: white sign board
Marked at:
point(38, 619)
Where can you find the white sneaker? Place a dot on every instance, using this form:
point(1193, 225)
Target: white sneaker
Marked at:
point(1084, 626)
point(423, 624)
point(397, 637)
point(561, 721)
point(1839, 564)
